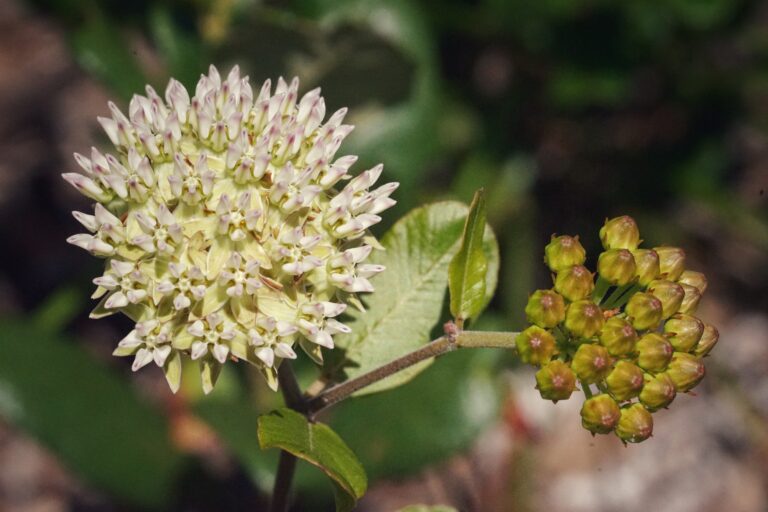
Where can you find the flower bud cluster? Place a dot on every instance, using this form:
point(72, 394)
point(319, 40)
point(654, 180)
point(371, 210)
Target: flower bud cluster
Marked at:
point(628, 335)
point(229, 227)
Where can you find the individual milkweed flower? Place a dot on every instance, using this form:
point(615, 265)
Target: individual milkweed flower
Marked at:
point(229, 227)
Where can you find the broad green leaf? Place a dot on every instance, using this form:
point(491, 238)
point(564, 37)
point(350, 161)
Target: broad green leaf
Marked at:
point(409, 295)
point(466, 273)
point(319, 445)
point(428, 508)
point(183, 52)
point(85, 414)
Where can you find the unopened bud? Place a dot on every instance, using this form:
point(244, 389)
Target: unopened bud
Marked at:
point(555, 381)
point(625, 381)
point(618, 336)
point(564, 251)
point(545, 308)
point(644, 311)
point(686, 371)
point(584, 319)
point(647, 266)
point(600, 414)
point(670, 294)
point(617, 266)
point(671, 261)
point(575, 283)
point(690, 299)
point(654, 352)
point(658, 391)
point(683, 331)
point(592, 363)
point(635, 424)
point(708, 341)
point(695, 279)
point(620, 233)
point(535, 345)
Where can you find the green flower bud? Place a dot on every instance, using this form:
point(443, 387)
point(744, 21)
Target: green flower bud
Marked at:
point(686, 371)
point(671, 261)
point(647, 266)
point(545, 308)
point(690, 299)
point(658, 391)
point(591, 363)
point(654, 352)
point(555, 381)
point(618, 336)
point(708, 341)
point(617, 266)
point(600, 414)
point(575, 283)
point(535, 345)
point(584, 319)
point(695, 279)
point(644, 311)
point(625, 381)
point(564, 251)
point(683, 331)
point(620, 233)
point(670, 294)
point(635, 424)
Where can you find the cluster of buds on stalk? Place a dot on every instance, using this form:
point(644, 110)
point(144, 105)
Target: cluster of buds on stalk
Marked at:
point(230, 229)
point(627, 335)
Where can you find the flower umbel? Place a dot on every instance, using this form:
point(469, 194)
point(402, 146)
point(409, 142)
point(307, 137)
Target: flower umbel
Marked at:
point(630, 337)
point(229, 228)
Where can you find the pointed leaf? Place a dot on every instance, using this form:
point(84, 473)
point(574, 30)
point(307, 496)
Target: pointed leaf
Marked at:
point(468, 268)
point(319, 445)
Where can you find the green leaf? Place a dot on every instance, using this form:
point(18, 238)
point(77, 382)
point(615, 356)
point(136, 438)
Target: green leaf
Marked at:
point(85, 414)
point(319, 445)
point(466, 273)
point(409, 295)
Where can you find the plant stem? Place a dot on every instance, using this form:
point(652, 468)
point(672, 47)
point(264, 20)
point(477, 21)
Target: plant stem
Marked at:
point(437, 347)
point(286, 467)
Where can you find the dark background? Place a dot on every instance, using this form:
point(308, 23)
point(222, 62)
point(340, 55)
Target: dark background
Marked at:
point(567, 111)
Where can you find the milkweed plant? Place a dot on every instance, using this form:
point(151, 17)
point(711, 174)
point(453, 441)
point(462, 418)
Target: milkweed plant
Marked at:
point(231, 231)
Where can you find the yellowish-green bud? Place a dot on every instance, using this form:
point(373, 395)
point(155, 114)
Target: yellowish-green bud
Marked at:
point(545, 308)
point(683, 331)
point(564, 251)
point(618, 336)
point(671, 261)
point(635, 425)
point(644, 311)
point(535, 345)
point(647, 266)
point(617, 266)
point(654, 352)
point(625, 381)
point(555, 381)
point(592, 363)
point(670, 294)
point(620, 233)
point(584, 319)
point(695, 279)
point(686, 371)
point(658, 391)
point(708, 341)
point(600, 414)
point(575, 283)
point(690, 299)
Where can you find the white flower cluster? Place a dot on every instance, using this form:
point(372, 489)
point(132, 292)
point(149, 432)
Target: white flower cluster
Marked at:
point(225, 225)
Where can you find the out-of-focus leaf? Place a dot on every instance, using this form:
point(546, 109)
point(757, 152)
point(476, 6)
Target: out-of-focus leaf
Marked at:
point(318, 444)
point(409, 295)
point(100, 47)
point(59, 308)
point(466, 273)
point(428, 508)
point(436, 415)
point(86, 415)
point(184, 53)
